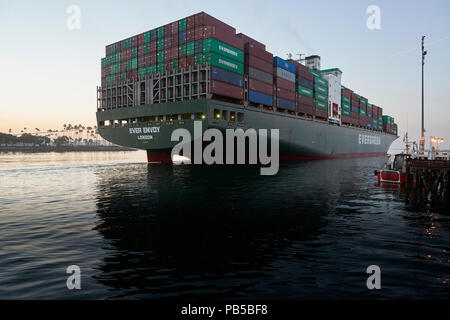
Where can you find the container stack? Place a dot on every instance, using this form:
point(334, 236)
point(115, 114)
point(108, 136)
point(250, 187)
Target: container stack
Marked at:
point(369, 119)
point(191, 41)
point(320, 95)
point(284, 84)
point(388, 124)
point(258, 67)
point(346, 95)
point(374, 117)
point(363, 112)
point(305, 89)
point(380, 119)
point(354, 102)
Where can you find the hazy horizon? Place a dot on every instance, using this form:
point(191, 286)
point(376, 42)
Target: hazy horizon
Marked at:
point(50, 73)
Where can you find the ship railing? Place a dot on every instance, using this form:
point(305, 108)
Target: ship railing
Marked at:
point(431, 155)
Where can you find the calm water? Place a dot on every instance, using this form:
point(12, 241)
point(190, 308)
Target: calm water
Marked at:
point(151, 231)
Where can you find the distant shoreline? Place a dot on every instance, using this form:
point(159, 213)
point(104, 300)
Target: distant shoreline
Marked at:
point(36, 149)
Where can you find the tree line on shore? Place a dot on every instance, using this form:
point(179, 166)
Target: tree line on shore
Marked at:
point(69, 135)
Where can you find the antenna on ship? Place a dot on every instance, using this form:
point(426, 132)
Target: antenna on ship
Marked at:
point(424, 53)
point(300, 57)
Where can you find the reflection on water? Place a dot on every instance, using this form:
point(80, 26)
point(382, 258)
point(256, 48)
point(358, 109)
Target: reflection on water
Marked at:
point(151, 231)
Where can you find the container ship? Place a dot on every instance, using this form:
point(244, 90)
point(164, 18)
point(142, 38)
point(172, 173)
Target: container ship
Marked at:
point(199, 69)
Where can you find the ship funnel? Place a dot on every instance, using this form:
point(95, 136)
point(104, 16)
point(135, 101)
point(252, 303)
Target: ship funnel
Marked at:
point(313, 62)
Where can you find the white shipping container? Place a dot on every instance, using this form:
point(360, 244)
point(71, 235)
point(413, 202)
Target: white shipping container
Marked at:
point(289, 76)
point(334, 95)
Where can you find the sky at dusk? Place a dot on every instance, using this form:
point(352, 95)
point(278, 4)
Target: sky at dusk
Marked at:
point(49, 73)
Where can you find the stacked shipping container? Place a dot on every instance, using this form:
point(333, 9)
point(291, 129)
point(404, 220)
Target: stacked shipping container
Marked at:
point(201, 39)
point(258, 67)
point(284, 84)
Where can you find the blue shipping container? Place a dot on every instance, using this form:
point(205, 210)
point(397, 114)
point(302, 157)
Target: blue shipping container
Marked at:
point(369, 125)
point(283, 64)
point(258, 97)
point(285, 104)
point(182, 37)
point(355, 109)
point(305, 83)
point(226, 76)
point(198, 46)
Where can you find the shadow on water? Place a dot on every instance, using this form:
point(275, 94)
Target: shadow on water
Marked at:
point(209, 231)
point(229, 233)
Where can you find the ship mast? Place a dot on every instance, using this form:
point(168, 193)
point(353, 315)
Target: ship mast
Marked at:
point(424, 53)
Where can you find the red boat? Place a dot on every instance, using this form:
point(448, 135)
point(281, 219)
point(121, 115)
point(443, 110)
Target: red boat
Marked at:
point(395, 171)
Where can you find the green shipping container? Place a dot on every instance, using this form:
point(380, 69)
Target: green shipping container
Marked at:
point(160, 56)
point(182, 25)
point(369, 106)
point(321, 81)
point(112, 48)
point(174, 64)
point(142, 72)
point(123, 76)
point(153, 69)
point(160, 67)
point(147, 37)
point(346, 107)
point(305, 91)
point(146, 48)
point(362, 112)
point(320, 89)
point(104, 62)
point(223, 62)
point(213, 45)
point(346, 100)
point(363, 101)
point(190, 48)
point(126, 44)
point(161, 33)
point(198, 59)
point(134, 52)
point(132, 64)
point(160, 44)
point(346, 113)
point(321, 97)
point(182, 51)
point(321, 105)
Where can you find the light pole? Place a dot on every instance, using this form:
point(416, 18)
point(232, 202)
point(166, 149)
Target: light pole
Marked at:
point(424, 53)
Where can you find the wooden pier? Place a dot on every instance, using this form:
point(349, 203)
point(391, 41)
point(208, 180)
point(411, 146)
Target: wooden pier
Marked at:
point(430, 172)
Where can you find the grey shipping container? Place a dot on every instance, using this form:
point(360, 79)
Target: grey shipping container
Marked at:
point(260, 75)
point(285, 104)
point(284, 74)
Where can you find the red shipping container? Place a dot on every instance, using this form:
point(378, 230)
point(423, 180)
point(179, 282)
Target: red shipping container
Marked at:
point(182, 63)
point(134, 41)
point(252, 42)
point(153, 46)
point(347, 93)
point(190, 35)
point(174, 40)
point(222, 35)
point(204, 19)
point(190, 22)
point(198, 33)
point(140, 39)
point(226, 90)
point(283, 83)
point(153, 58)
point(321, 113)
point(254, 62)
point(190, 60)
point(168, 42)
point(140, 51)
point(123, 66)
point(141, 62)
point(301, 99)
point(259, 53)
point(346, 120)
point(167, 30)
point(305, 108)
point(132, 74)
point(118, 46)
point(259, 86)
point(174, 27)
point(285, 94)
